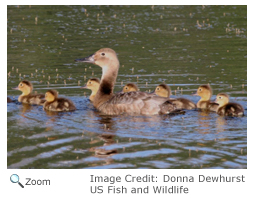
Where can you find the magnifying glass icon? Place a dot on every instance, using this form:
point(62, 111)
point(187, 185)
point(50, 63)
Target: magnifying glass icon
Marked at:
point(15, 179)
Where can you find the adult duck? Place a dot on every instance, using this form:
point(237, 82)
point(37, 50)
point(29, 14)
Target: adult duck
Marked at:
point(131, 102)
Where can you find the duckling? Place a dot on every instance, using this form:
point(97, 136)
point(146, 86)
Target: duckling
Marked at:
point(164, 90)
point(130, 87)
point(130, 102)
point(27, 97)
point(92, 84)
point(9, 100)
point(53, 103)
point(205, 92)
point(227, 108)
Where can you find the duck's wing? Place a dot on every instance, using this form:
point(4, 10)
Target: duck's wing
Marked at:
point(136, 103)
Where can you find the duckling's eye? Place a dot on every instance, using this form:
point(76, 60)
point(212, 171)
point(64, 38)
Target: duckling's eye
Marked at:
point(158, 89)
point(220, 97)
point(21, 85)
point(90, 82)
point(200, 89)
point(126, 88)
point(103, 54)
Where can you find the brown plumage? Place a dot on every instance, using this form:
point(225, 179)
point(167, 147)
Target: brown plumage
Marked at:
point(27, 97)
point(205, 92)
point(53, 103)
point(119, 103)
point(9, 100)
point(93, 84)
point(130, 87)
point(227, 108)
point(164, 90)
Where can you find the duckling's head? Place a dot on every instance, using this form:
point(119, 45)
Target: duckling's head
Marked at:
point(51, 95)
point(130, 87)
point(25, 86)
point(163, 90)
point(103, 57)
point(205, 92)
point(222, 99)
point(93, 84)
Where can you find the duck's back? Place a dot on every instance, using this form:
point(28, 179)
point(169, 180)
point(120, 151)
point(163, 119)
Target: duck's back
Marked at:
point(32, 99)
point(208, 105)
point(182, 103)
point(136, 103)
point(231, 109)
point(213, 106)
point(60, 104)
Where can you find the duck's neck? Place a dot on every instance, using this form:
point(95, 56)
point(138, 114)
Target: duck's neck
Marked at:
point(91, 97)
point(25, 92)
point(108, 79)
point(205, 98)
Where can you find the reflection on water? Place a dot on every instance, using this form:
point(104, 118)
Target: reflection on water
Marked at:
point(183, 46)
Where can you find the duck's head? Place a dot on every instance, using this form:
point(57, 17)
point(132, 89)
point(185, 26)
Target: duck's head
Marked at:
point(51, 95)
point(92, 84)
point(103, 57)
point(163, 90)
point(130, 87)
point(25, 86)
point(222, 99)
point(205, 92)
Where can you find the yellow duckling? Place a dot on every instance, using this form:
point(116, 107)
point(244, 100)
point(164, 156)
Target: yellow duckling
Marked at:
point(205, 92)
point(180, 103)
point(27, 97)
point(227, 108)
point(130, 87)
point(93, 84)
point(53, 103)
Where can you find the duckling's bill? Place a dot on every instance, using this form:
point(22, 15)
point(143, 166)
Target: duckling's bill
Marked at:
point(15, 88)
point(85, 87)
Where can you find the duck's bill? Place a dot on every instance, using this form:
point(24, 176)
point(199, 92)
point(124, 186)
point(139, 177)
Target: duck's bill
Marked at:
point(89, 59)
point(15, 88)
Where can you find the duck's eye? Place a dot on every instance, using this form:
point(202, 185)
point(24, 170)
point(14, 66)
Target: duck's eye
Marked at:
point(220, 97)
point(90, 82)
point(200, 89)
point(126, 88)
point(103, 54)
point(21, 85)
point(158, 89)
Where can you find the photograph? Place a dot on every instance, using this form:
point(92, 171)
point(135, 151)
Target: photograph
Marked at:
point(126, 87)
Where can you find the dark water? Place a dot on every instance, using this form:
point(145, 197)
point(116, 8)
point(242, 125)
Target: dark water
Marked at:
point(183, 46)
